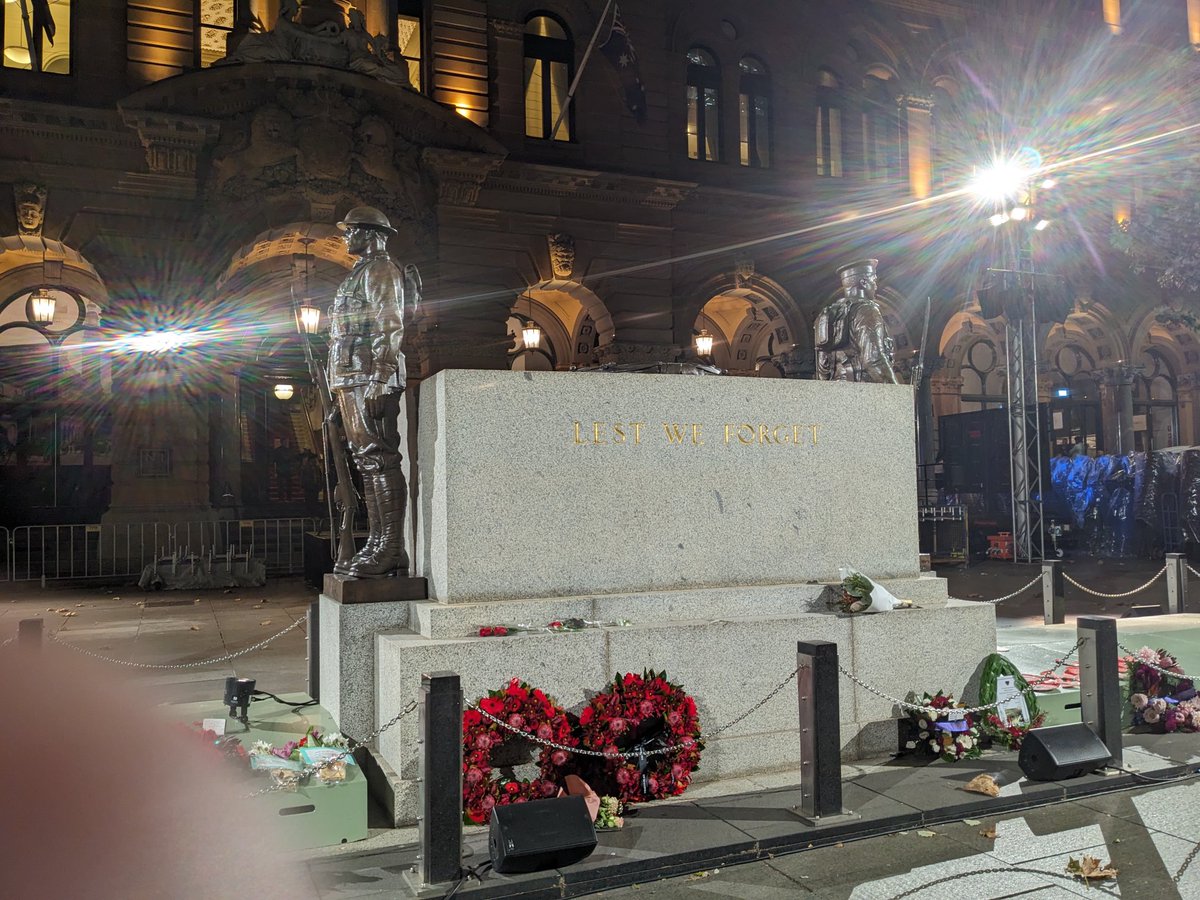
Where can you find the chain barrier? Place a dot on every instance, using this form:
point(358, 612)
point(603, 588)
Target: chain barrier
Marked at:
point(307, 772)
point(191, 665)
point(1088, 590)
point(917, 707)
point(1195, 574)
point(639, 754)
point(1141, 662)
point(1036, 579)
point(1187, 861)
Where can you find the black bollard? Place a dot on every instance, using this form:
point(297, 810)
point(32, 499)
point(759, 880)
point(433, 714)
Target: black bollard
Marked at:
point(314, 650)
point(1100, 682)
point(820, 730)
point(440, 770)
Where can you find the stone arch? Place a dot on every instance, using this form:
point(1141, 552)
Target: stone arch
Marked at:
point(752, 317)
point(1177, 343)
point(574, 320)
point(29, 262)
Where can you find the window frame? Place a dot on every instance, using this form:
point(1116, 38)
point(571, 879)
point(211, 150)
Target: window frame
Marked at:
point(6, 68)
point(703, 79)
point(753, 86)
point(830, 99)
point(547, 50)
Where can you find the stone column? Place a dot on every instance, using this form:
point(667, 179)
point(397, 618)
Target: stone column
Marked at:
point(1187, 395)
point(917, 113)
point(1116, 402)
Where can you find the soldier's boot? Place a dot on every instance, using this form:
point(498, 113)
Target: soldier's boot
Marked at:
point(371, 502)
point(391, 503)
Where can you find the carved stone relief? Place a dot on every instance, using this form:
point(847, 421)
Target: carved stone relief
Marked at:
point(31, 208)
point(562, 254)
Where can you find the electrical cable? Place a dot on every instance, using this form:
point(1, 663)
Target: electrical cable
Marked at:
point(1147, 778)
point(263, 695)
point(467, 873)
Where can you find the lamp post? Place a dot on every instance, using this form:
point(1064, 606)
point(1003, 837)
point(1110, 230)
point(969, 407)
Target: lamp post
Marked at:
point(1011, 185)
point(704, 343)
point(42, 304)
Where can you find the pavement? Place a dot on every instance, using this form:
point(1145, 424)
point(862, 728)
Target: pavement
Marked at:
point(1147, 831)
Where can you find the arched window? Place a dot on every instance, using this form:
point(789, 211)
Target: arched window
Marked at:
point(754, 114)
point(1074, 414)
point(549, 64)
point(1155, 412)
point(881, 129)
point(703, 105)
point(982, 377)
point(829, 125)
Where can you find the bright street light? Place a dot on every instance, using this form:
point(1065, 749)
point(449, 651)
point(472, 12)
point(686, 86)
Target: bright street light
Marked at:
point(1002, 180)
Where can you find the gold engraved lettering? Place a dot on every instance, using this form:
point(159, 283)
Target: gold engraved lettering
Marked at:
point(696, 434)
point(637, 432)
point(814, 434)
point(779, 440)
point(675, 432)
point(742, 440)
point(727, 429)
point(796, 435)
point(578, 439)
point(596, 426)
point(618, 432)
point(763, 437)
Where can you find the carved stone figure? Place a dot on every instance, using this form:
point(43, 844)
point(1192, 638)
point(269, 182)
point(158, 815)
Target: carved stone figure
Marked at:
point(31, 208)
point(326, 32)
point(271, 146)
point(562, 254)
point(367, 377)
point(852, 339)
point(376, 145)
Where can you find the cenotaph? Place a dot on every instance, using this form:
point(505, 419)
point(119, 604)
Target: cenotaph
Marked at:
point(710, 513)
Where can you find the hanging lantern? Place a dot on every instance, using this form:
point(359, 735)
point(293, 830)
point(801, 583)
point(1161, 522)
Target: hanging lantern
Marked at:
point(310, 317)
point(284, 391)
point(43, 304)
point(704, 343)
point(531, 334)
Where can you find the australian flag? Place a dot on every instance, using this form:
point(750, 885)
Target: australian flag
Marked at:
point(619, 50)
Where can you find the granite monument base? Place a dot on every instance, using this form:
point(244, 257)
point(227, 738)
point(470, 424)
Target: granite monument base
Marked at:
point(728, 647)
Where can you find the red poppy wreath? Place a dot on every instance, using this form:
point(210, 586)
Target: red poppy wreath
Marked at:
point(531, 711)
point(645, 712)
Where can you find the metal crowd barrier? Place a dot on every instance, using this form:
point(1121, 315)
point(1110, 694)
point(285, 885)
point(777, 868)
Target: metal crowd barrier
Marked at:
point(57, 552)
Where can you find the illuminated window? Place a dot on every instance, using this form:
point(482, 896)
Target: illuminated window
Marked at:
point(829, 125)
point(408, 38)
point(549, 62)
point(37, 35)
point(754, 114)
point(703, 106)
point(882, 134)
point(216, 22)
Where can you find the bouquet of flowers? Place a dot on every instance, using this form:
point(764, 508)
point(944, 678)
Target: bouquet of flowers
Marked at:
point(943, 729)
point(1164, 701)
point(860, 594)
point(1009, 732)
point(555, 627)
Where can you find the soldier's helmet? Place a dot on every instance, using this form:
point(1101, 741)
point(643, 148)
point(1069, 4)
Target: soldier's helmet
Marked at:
point(851, 273)
point(367, 217)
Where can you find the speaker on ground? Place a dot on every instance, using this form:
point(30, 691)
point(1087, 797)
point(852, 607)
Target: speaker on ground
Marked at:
point(540, 834)
point(1061, 751)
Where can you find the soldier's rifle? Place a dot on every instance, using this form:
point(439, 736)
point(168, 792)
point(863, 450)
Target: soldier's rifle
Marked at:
point(341, 540)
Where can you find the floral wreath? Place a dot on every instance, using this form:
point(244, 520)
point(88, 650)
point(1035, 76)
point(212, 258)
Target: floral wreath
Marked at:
point(1159, 701)
point(529, 710)
point(946, 732)
point(649, 712)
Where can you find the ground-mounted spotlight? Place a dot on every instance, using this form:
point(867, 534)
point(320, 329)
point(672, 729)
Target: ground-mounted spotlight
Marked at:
point(238, 692)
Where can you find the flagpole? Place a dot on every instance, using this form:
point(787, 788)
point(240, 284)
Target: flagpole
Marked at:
point(562, 112)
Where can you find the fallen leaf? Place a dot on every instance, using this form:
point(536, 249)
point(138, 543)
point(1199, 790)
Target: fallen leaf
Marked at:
point(197, 600)
point(194, 628)
point(972, 822)
point(983, 784)
point(265, 622)
point(68, 612)
point(1089, 867)
point(989, 833)
point(924, 833)
point(79, 604)
point(116, 598)
point(61, 609)
point(237, 599)
point(838, 844)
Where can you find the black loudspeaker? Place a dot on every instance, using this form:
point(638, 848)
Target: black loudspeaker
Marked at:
point(1061, 751)
point(540, 834)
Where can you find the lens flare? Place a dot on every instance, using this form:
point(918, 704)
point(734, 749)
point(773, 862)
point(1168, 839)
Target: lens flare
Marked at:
point(154, 342)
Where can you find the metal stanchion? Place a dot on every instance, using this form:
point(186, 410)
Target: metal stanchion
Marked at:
point(440, 779)
point(29, 634)
point(314, 650)
point(1054, 603)
point(820, 731)
point(1099, 681)
point(1177, 584)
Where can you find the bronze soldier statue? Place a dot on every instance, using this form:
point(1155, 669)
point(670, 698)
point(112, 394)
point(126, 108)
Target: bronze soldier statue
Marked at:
point(852, 339)
point(367, 377)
